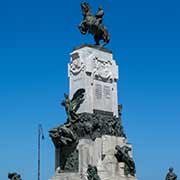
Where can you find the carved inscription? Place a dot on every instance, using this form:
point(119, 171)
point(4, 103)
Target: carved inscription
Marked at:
point(78, 79)
point(98, 91)
point(107, 92)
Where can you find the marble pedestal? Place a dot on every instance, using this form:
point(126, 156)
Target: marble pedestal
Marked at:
point(99, 153)
point(95, 70)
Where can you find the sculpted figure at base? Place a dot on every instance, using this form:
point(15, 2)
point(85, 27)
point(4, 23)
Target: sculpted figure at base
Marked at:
point(171, 175)
point(14, 176)
point(62, 136)
point(122, 155)
point(94, 24)
point(65, 137)
point(71, 106)
point(92, 173)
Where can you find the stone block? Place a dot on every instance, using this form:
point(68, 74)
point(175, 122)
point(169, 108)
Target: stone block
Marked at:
point(95, 71)
point(99, 153)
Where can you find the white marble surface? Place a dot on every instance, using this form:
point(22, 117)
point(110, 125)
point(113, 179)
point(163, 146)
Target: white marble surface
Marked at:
point(99, 153)
point(95, 71)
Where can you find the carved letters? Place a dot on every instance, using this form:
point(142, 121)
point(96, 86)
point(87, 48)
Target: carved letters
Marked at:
point(98, 91)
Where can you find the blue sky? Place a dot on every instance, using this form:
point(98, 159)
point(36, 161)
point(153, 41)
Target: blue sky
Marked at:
point(36, 38)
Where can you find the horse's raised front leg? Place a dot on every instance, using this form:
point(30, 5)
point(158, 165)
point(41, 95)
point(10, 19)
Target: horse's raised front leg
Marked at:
point(83, 29)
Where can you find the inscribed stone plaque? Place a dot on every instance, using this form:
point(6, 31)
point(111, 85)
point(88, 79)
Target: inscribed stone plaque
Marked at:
point(98, 91)
point(107, 92)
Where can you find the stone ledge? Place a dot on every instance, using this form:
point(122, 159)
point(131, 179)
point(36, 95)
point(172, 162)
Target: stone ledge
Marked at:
point(101, 48)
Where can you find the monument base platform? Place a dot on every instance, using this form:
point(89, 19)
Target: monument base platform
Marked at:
point(74, 176)
point(99, 153)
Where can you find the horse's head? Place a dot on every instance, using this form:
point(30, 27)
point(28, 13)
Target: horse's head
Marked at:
point(86, 10)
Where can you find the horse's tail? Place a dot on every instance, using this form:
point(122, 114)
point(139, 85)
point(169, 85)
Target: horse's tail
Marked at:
point(106, 37)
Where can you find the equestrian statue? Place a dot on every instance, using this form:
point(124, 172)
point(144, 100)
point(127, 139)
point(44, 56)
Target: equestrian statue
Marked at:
point(93, 24)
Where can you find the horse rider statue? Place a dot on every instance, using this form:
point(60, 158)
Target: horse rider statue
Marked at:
point(94, 24)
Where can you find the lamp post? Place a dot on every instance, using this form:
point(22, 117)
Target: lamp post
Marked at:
point(40, 136)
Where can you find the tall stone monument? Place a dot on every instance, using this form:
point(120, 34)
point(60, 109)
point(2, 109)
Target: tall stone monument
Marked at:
point(92, 145)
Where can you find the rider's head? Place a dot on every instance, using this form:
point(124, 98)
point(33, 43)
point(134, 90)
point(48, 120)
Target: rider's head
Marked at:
point(171, 169)
point(100, 8)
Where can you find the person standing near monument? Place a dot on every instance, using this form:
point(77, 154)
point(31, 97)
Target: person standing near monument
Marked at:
point(171, 175)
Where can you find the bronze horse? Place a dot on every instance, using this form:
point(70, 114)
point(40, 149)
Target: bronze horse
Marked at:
point(93, 24)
